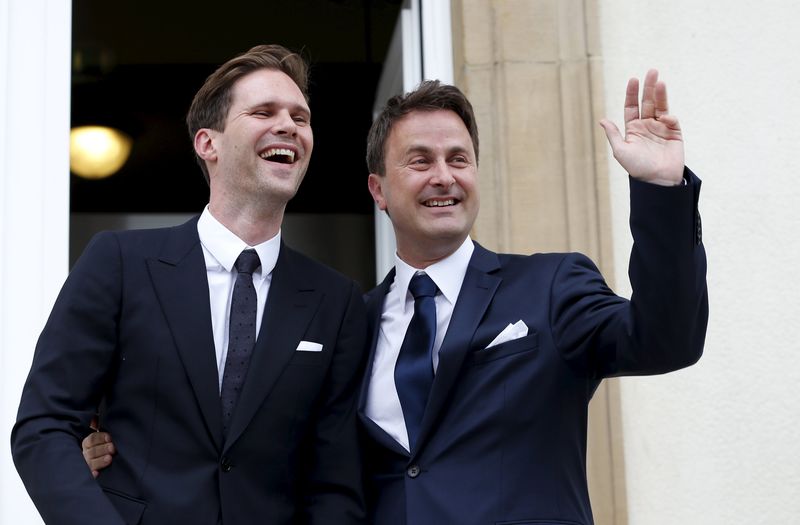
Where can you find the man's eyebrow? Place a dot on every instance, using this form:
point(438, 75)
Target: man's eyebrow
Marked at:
point(269, 104)
point(457, 149)
point(424, 149)
point(418, 148)
point(299, 108)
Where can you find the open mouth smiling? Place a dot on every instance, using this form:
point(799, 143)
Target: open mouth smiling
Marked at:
point(280, 155)
point(439, 203)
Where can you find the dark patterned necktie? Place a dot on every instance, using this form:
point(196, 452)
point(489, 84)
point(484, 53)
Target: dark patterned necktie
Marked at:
point(241, 334)
point(413, 373)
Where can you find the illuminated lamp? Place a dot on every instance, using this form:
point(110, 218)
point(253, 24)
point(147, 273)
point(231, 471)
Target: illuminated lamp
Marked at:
point(96, 152)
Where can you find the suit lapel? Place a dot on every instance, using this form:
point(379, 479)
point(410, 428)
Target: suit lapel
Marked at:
point(476, 294)
point(290, 306)
point(375, 300)
point(179, 279)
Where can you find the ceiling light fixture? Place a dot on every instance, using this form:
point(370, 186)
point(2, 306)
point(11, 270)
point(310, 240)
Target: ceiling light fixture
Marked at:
point(96, 152)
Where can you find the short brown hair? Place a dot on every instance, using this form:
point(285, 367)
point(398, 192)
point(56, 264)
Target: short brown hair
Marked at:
point(212, 102)
point(430, 95)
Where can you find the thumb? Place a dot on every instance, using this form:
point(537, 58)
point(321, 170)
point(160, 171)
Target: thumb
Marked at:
point(612, 134)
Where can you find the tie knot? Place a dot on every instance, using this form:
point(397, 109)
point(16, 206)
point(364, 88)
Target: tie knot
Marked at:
point(247, 262)
point(422, 285)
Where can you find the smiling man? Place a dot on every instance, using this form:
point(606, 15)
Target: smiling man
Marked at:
point(482, 364)
point(224, 363)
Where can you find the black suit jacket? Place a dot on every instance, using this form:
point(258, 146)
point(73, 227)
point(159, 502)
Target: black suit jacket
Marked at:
point(131, 333)
point(503, 437)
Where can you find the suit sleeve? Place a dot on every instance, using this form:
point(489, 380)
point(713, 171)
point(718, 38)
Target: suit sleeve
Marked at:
point(663, 326)
point(334, 484)
point(72, 360)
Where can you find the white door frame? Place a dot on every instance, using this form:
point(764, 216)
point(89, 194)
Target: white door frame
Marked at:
point(35, 60)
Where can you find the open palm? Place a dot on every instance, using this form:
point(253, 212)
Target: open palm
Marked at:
point(652, 149)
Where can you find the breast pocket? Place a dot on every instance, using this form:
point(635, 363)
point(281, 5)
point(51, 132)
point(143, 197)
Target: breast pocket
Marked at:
point(529, 343)
point(307, 358)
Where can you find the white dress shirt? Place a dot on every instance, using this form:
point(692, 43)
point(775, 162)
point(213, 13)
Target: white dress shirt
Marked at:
point(221, 248)
point(383, 404)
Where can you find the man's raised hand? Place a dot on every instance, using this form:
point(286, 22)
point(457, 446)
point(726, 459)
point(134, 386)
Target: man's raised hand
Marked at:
point(652, 149)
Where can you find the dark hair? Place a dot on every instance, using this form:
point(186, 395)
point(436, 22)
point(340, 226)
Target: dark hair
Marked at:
point(430, 95)
point(212, 102)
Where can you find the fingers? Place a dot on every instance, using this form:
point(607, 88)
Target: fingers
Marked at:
point(98, 451)
point(649, 94)
point(98, 464)
point(661, 105)
point(654, 98)
point(654, 105)
point(632, 100)
point(672, 124)
point(94, 439)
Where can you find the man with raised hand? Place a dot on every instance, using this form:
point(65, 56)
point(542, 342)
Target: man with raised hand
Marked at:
point(482, 364)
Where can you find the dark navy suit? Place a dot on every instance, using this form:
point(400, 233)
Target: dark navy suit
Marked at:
point(503, 437)
point(131, 333)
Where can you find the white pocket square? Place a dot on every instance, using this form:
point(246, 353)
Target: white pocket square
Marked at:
point(510, 332)
point(308, 346)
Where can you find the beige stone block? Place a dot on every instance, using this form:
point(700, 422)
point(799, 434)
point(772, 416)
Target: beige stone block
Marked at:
point(533, 142)
point(527, 30)
point(475, 34)
point(571, 30)
point(605, 258)
point(576, 116)
point(491, 227)
point(592, 17)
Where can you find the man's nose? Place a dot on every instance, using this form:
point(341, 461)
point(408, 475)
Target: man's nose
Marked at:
point(441, 176)
point(285, 124)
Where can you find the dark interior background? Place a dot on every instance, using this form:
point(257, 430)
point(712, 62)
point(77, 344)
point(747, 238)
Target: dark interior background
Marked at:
point(137, 65)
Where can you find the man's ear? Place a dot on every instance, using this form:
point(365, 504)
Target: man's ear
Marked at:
point(376, 189)
point(204, 145)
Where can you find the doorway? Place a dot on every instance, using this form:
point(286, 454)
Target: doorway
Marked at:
point(136, 67)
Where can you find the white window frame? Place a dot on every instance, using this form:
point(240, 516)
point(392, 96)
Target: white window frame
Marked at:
point(34, 202)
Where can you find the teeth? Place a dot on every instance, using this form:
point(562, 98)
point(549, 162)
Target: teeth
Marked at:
point(436, 203)
point(278, 151)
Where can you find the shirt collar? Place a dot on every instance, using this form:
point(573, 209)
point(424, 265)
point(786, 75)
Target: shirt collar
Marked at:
point(448, 274)
point(224, 246)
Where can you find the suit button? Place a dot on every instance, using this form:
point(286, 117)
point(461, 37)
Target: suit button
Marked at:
point(413, 471)
point(225, 465)
point(699, 228)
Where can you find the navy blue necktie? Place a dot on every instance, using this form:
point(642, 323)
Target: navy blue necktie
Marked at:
point(241, 334)
point(413, 373)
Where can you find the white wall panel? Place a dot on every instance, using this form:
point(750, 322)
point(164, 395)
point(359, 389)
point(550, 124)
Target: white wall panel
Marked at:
point(716, 443)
